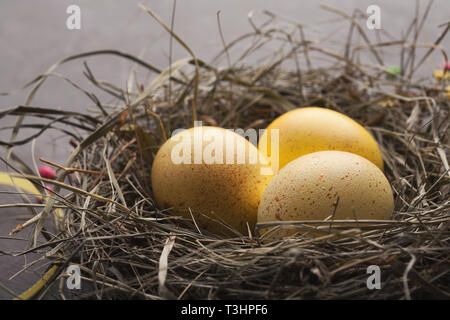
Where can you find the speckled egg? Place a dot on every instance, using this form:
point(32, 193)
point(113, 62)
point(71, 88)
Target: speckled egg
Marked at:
point(323, 185)
point(313, 129)
point(196, 171)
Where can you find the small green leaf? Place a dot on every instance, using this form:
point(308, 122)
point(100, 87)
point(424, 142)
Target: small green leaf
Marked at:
point(393, 71)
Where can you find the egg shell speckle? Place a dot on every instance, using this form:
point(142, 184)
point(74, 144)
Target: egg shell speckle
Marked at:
point(314, 186)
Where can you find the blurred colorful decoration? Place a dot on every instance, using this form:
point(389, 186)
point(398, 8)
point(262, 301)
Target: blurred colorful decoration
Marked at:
point(393, 71)
point(23, 184)
point(387, 103)
point(443, 73)
point(439, 74)
point(28, 188)
point(48, 191)
point(47, 172)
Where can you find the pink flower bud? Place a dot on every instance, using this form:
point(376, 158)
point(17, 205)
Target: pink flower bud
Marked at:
point(47, 172)
point(446, 66)
point(49, 188)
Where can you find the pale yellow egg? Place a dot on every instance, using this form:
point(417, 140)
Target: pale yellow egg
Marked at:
point(326, 185)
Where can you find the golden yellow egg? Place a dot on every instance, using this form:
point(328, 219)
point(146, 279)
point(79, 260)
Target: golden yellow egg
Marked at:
point(332, 185)
point(312, 129)
point(213, 173)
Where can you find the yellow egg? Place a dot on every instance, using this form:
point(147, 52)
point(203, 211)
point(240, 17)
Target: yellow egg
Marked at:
point(333, 185)
point(214, 173)
point(312, 129)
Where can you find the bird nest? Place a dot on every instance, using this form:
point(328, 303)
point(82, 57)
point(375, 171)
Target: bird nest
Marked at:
point(126, 246)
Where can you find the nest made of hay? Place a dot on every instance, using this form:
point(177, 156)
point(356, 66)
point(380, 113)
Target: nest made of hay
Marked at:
point(128, 247)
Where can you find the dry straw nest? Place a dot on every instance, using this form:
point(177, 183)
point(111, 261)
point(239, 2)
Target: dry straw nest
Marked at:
point(130, 248)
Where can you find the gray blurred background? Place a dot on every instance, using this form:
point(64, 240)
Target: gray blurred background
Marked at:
point(33, 36)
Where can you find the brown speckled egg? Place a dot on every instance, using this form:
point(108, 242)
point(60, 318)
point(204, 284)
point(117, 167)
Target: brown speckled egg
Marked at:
point(191, 173)
point(315, 186)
